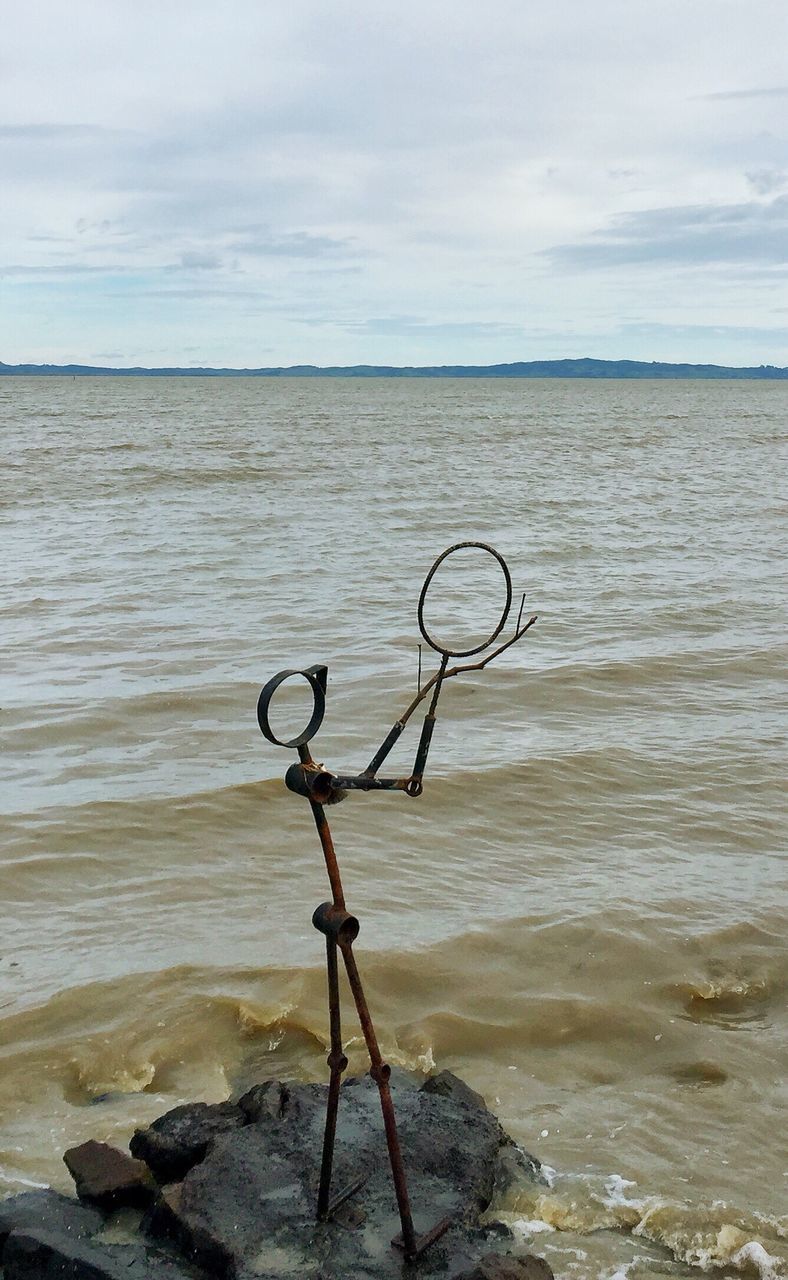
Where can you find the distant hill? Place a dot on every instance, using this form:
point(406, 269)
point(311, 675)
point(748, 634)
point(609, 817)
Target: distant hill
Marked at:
point(585, 368)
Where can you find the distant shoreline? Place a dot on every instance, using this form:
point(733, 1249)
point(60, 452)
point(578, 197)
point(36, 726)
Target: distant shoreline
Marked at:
point(583, 368)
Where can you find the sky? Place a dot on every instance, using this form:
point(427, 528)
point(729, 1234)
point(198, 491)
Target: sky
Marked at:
point(261, 183)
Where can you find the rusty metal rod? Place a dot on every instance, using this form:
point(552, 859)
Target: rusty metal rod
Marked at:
point(329, 853)
point(337, 1063)
point(380, 1073)
point(361, 782)
point(325, 787)
point(344, 1195)
point(384, 749)
point(423, 1242)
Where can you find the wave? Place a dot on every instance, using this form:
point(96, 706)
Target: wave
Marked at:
point(706, 1237)
point(730, 1000)
point(623, 772)
point(425, 1002)
point(126, 815)
point(209, 1034)
point(544, 1016)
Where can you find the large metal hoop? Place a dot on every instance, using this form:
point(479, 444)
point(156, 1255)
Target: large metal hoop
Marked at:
point(315, 678)
point(465, 653)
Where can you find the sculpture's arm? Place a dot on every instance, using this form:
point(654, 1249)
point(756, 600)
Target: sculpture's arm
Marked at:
point(325, 787)
point(440, 676)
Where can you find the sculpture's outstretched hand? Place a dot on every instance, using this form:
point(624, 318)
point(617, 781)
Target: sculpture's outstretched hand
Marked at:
point(470, 666)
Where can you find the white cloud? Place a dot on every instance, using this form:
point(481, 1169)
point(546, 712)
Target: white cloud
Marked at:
point(329, 167)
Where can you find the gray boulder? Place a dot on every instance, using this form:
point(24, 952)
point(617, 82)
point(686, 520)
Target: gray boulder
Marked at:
point(50, 1255)
point(177, 1141)
point(249, 1207)
point(60, 1213)
point(495, 1266)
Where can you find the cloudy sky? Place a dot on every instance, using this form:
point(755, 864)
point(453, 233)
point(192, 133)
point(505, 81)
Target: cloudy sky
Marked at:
point(271, 182)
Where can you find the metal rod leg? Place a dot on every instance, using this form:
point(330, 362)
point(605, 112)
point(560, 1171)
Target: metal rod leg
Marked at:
point(337, 1063)
point(380, 1073)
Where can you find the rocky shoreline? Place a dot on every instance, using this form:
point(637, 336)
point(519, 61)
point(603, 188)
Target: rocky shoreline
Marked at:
point(227, 1191)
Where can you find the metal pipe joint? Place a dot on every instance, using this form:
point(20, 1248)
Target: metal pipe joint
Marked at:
point(336, 923)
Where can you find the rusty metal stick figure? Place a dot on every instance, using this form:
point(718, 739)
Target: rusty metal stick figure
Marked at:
point(340, 929)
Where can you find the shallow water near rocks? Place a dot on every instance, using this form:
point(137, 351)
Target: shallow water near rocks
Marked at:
point(584, 913)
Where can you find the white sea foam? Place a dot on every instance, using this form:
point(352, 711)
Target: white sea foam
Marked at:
point(530, 1226)
point(754, 1255)
point(616, 1187)
point(16, 1180)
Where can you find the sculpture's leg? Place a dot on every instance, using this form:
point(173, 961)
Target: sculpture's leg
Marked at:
point(341, 929)
point(337, 1063)
point(335, 924)
point(380, 1071)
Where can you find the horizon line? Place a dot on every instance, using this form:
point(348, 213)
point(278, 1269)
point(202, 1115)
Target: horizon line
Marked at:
point(556, 367)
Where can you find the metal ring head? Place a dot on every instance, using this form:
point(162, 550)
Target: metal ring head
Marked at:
point(465, 653)
point(316, 679)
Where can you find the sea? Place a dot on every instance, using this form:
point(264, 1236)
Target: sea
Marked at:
point(583, 914)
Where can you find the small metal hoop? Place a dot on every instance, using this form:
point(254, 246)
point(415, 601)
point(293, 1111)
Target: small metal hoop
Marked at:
point(464, 653)
point(264, 701)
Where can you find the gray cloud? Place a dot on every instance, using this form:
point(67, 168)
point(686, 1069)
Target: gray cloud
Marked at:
point(753, 233)
point(49, 132)
point(750, 333)
point(766, 181)
point(180, 293)
point(415, 327)
point(193, 260)
point(60, 269)
point(732, 95)
point(292, 244)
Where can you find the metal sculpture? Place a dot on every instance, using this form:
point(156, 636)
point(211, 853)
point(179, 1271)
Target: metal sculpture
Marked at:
point(340, 929)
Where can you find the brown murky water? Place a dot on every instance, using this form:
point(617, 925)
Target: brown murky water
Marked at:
point(583, 914)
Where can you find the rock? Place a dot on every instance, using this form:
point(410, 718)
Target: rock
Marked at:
point(238, 1202)
point(168, 1221)
point(448, 1085)
point(244, 1209)
point(62, 1214)
point(108, 1177)
point(51, 1255)
point(497, 1231)
point(267, 1099)
point(513, 1163)
point(494, 1266)
point(270, 1100)
point(516, 1166)
point(177, 1141)
point(249, 1207)
point(456, 1146)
